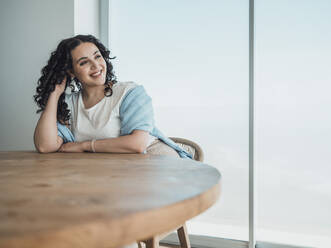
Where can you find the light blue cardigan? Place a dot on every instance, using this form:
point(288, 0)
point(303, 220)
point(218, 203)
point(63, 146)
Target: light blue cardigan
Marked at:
point(136, 113)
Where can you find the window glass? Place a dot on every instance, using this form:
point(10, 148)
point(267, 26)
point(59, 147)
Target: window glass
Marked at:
point(293, 137)
point(192, 58)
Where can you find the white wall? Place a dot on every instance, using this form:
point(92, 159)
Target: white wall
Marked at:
point(87, 17)
point(30, 31)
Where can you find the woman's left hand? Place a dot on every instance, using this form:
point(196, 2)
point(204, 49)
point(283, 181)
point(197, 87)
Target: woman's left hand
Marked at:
point(72, 147)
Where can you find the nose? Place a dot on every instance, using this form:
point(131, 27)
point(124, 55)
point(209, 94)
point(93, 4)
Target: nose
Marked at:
point(94, 64)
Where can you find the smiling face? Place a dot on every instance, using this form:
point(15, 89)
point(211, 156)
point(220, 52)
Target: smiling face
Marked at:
point(89, 67)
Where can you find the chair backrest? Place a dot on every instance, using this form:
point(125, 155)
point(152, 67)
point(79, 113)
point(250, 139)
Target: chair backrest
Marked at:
point(191, 147)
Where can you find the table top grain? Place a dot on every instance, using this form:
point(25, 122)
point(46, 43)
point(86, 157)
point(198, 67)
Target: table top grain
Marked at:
point(98, 199)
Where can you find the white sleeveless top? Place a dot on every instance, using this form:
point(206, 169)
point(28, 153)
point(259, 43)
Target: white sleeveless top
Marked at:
point(101, 121)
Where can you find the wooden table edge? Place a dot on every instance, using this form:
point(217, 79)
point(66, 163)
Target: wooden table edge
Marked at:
point(102, 233)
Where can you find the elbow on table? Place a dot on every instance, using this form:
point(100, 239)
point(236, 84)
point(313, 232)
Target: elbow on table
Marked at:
point(139, 141)
point(48, 145)
point(43, 148)
point(140, 149)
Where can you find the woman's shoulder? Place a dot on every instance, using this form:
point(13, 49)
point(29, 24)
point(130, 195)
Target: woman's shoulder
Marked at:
point(125, 85)
point(121, 88)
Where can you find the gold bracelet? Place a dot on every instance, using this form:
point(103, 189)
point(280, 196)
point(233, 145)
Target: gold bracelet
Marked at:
point(92, 145)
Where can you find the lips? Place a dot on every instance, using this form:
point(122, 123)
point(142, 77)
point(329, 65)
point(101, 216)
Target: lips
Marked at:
point(96, 74)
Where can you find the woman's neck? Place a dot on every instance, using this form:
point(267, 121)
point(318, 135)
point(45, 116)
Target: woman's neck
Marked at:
point(92, 95)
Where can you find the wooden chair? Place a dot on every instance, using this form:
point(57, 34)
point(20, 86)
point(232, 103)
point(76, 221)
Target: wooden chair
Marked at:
point(195, 150)
point(191, 147)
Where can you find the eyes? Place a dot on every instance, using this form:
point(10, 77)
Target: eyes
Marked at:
point(83, 62)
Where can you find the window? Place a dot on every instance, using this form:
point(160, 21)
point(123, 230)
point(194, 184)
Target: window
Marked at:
point(293, 137)
point(192, 58)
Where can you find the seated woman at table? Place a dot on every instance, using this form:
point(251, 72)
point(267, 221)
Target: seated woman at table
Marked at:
point(99, 114)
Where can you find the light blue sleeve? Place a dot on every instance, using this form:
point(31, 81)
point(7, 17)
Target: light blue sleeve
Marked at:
point(136, 113)
point(62, 130)
point(65, 133)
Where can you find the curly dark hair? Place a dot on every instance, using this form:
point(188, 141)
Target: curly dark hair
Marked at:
point(57, 69)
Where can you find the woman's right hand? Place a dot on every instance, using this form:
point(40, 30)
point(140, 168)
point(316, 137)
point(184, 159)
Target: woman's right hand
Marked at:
point(60, 88)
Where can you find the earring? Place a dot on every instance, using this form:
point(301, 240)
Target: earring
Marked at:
point(72, 84)
point(75, 85)
point(108, 90)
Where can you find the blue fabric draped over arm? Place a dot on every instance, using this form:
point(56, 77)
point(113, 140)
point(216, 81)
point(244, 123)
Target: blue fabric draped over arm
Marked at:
point(136, 113)
point(65, 133)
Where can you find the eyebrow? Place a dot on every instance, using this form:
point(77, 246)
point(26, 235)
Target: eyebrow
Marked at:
point(86, 57)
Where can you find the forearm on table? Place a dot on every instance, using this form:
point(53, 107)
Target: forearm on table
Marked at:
point(133, 143)
point(45, 135)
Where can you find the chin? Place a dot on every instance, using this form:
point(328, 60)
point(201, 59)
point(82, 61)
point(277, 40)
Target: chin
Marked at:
point(99, 82)
point(103, 82)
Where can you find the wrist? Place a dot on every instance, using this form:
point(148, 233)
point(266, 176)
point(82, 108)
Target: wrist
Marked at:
point(56, 94)
point(86, 145)
point(54, 97)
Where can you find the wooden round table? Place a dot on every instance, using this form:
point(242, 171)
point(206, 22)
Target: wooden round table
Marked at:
point(98, 200)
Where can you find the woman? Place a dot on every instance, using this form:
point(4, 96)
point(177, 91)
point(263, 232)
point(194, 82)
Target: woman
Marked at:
point(102, 115)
